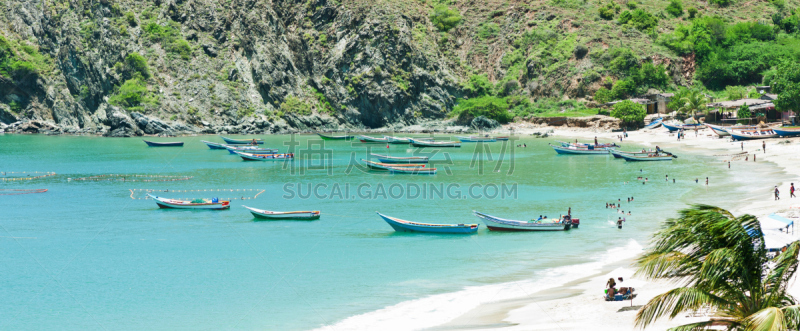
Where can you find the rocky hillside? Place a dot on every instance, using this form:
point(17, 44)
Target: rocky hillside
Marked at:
point(122, 68)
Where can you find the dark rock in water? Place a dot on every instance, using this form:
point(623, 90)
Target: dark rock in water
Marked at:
point(121, 125)
point(152, 125)
point(484, 123)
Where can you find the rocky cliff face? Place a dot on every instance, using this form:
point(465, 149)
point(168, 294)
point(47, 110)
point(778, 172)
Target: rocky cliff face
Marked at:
point(125, 67)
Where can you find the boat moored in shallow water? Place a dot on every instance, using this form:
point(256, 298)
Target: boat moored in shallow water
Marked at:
point(333, 137)
point(401, 225)
point(212, 204)
point(164, 144)
point(265, 157)
point(284, 215)
point(579, 151)
point(429, 143)
point(501, 224)
point(400, 159)
point(242, 141)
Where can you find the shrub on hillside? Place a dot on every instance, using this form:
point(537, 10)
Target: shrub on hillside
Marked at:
point(130, 94)
point(295, 106)
point(478, 85)
point(692, 12)
point(609, 10)
point(445, 18)
point(675, 8)
point(135, 62)
point(721, 3)
point(639, 19)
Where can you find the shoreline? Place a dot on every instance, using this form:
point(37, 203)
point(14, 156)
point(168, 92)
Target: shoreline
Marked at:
point(580, 305)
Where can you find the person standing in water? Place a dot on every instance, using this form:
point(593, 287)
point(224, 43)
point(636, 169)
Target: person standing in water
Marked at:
point(619, 223)
point(706, 181)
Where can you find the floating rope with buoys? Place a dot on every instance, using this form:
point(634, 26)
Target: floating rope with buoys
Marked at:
point(21, 191)
point(133, 178)
point(25, 175)
point(231, 191)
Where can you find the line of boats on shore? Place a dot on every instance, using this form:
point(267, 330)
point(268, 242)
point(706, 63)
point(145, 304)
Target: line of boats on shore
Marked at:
point(611, 148)
point(563, 223)
point(737, 132)
point(418, 142)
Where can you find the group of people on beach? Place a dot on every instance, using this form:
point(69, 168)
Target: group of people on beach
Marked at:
point(613, 294)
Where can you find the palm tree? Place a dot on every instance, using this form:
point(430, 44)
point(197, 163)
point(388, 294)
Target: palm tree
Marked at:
point(720, 261)
point(693, 102)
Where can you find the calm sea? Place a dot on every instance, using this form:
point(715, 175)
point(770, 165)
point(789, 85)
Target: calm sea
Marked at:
point(85, 255)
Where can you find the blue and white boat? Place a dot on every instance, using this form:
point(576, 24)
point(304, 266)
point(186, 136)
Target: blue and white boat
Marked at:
point(242, 141)
point(654, 123)
point(752, 134)
point(579, 151)
point(501, 224)
point(400, 225)
point(400, 159)
point(677, 126)
point(787, 131)
point(474, 139)
point(213, 145)
point(718, 129)
point(163, 144)
point(250, 149)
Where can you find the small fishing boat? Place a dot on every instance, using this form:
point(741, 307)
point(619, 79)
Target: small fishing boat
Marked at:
point(284, 215)
point(718, 129)
point(474, 139)
point(501, 224)
point(368, 139)
point(400, 225)
point(654, 123)
point(502, 138)
point(397, 140)
point(677, 126)
point(250, 149)
point(164, 144)
point(752, 134)
point(265, 157)
point(400, 159)
point(584, 145)
point(429, 143)
point(213, 145)
point(618, 154)
point(212, 204)
point(386, 166)
point(579, 151)
point(242, 141)
point(329, 137)
point(648, 157)
point(411, 170)
point(787, 131)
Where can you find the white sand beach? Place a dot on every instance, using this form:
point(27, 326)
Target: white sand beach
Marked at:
point(578, 305)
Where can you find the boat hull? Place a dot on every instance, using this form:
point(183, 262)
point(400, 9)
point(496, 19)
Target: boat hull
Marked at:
point(738, 135)
point(422, 143)
point(499, 224)
point(654, 124)
point(397, 140)
point(407, 226)
point(635, 158)
point(720, 131)
point(165, 144)
point(213, 145)
point(395, 159)
point(476, 139)
point(576, 151)
point(265, 157)
point(412, 170)
point(179, 204)
point(326, 137)
point(676, 127)
point(368, 139)
point(787, 132)
point(241, 141)
point(284, 215)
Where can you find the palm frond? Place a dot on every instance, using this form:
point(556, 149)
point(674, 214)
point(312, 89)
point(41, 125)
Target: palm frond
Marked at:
point(676, 301)
point(767, 319)
point(693, 326)
point(785, 268)
point(791, 316)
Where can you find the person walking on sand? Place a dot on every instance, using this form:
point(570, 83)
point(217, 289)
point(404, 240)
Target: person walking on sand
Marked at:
point(791, 191)
point(777, 193)
point(595, 141)
point(743, 146)
point(764, 146)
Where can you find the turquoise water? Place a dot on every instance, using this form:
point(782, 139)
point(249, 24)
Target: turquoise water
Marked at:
point(84, 255)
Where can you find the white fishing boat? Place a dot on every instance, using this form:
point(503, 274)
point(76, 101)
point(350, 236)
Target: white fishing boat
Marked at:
point(284, 215)
point(752, 134)
point(212, 204)
point(501, 224)
point(578, 151)
point(397, 140)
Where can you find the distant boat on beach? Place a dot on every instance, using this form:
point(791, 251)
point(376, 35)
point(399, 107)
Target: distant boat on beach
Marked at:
point(284, 215)
point(654, 123)
point(430, 143)
point(164, 144)
point(501, 224)
point(401, 225)
point(212, 204)
point(752, 134)
point(787, 131)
